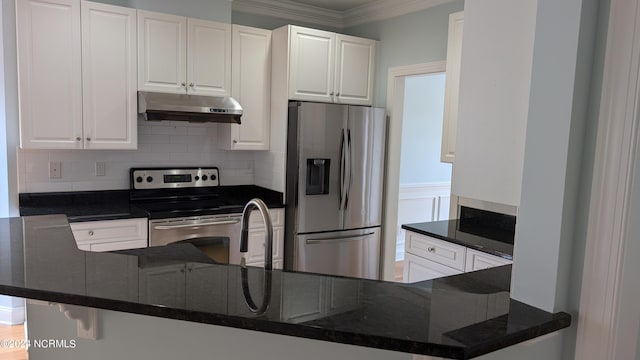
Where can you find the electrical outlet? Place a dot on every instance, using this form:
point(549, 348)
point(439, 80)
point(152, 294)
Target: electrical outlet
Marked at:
point(55, 170)
point(100, 168)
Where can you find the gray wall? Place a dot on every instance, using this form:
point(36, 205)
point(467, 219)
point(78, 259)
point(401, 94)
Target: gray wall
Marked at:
point(415, 38)
point(422, 131)
point(559, 153)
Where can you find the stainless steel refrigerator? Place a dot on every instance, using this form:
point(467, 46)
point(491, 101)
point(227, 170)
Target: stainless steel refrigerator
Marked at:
point(335, 167)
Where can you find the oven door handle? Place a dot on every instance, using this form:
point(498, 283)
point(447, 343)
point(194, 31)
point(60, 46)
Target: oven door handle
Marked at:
point(183, 226)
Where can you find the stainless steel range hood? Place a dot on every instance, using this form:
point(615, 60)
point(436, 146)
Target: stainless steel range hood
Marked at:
point(193, 108)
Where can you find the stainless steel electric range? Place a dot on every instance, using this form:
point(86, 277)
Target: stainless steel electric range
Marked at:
point(186, 205)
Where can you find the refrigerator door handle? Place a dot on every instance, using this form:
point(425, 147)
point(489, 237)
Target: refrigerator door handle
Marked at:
point(338, 239)
point(343, 170)
point(349, 162)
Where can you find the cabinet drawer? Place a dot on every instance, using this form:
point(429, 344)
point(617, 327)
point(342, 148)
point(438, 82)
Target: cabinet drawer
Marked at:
point(277, 218)
point(419, 269)
point(94, 232)
point(478, 260)
point(440, 251)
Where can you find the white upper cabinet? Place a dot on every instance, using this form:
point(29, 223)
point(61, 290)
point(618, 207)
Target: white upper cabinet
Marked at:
point(183, 55)
point(208, 58)
point(49, 74)
point(312, 61)
point(251, 84)
point(354, 70)
point(162, 52)
point(109, 81)
point(326, 67)
point(76, 83)
point(452, 87)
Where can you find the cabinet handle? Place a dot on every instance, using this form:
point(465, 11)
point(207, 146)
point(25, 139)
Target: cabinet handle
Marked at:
point(235, 141)
point(88, 139)
point(431, 249)
point(181, 270)
point(191, 85)
point(78, 138)
point(331, 93)
point(183, 84)
point(337, 94)
point(90, 232)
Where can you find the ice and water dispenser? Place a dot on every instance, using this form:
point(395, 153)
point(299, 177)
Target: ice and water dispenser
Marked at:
point(318, 176)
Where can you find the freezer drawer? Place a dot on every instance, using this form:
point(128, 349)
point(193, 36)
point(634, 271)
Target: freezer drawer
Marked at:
point(354, 253)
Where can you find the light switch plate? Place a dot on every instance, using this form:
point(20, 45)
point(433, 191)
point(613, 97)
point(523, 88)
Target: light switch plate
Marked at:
point(100, 168)
point(55, 169)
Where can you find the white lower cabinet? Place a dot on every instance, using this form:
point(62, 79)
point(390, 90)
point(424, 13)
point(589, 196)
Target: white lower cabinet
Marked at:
point(420, 269)
point(429, 258)
point(111, 235)
point(477, 260)
point(255, 254)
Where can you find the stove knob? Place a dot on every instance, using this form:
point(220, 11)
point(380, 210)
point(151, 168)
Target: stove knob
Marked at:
point(149, 179)
point(197, 177)
point(204, 178)
point(139, 179)
point(213, 177)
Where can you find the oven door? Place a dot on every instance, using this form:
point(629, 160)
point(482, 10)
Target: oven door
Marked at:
point(206, 233)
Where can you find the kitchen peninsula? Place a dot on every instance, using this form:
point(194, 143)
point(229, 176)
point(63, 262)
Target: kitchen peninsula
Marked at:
point(455, 317)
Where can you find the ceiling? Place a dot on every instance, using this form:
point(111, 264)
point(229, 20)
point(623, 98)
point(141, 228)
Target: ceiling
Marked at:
point(337, 5)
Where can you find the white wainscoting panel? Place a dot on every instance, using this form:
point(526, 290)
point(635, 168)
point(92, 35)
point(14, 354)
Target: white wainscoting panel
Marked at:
point(420, 203)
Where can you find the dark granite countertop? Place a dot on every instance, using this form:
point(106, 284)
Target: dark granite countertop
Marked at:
point(461, 317)
point(115, 204)
point(449, 230)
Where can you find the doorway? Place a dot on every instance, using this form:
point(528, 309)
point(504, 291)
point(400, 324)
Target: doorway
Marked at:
point(403, 85)
point(425, 182)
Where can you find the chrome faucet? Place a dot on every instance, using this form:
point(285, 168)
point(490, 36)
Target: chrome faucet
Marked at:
point(266, 220)
point(268, 255)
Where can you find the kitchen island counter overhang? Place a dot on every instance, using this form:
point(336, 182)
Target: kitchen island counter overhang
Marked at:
point(460, 317)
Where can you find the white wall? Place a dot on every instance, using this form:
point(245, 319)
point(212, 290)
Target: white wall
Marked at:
point(159, 144)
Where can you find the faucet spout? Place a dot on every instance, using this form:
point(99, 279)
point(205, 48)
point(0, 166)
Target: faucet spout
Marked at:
point(268, 255)
point(257, 204)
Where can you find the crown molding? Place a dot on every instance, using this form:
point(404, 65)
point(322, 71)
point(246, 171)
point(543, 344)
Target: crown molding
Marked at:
point(289, 10)
point(376, 11)
point(386, 9)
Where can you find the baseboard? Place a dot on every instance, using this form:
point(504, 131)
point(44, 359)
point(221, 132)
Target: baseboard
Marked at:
point(11, 316)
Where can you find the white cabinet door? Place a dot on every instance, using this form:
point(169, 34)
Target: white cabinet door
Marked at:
point(109, 76)
point(251, 84)
point(162, 52)
point(49, 74)
point(208, 58)
point(477, 260)
point(111, 235)
point(311, 66)
point(452, 87)
point(420, 269)
point(354, 70)
point(255, 253)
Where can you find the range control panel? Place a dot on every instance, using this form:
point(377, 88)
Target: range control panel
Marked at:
point(155, 178)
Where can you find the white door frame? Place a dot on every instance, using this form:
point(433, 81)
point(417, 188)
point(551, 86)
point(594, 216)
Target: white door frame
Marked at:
point(395, 104)
point(608, 325)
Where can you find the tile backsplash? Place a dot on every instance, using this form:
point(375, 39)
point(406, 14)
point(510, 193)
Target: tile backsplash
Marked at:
point(159, 144)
